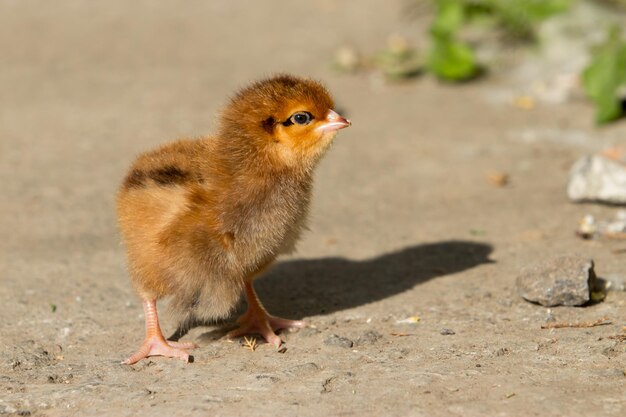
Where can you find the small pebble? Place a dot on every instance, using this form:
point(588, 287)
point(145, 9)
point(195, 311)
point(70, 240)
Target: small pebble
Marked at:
point(347, 60)
point(368, 338)
point(447, 332)
point(597, 178)
point(335, 340)
point(303, 369)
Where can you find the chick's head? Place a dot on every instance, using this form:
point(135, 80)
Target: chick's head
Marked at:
point(288, 119)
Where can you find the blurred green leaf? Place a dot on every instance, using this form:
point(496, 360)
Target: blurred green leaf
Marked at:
point(605, 75)
point(449, 18)
point(452, 60)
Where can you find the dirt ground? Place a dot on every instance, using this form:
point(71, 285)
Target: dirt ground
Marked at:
point(404, 223)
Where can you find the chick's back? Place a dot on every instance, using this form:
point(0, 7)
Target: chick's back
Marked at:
point(169, 218)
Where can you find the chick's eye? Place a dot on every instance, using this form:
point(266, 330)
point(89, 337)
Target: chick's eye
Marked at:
point(302, 118)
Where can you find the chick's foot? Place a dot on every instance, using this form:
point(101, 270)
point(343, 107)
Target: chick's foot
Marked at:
point(155, 344)
point(257, 320)
point(265, 325)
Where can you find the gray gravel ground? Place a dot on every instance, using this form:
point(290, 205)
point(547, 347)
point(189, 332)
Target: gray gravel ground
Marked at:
point(404, 224)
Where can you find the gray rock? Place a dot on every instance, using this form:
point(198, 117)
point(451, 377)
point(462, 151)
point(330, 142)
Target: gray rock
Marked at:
point(596, 178)
point(335, 340)
point(564, 280)
point(447, 332)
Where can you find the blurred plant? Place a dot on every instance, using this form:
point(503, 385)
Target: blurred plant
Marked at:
point(347, 60)
point(399, 60)
point(452, 59)
point(618, 4)
point(605, 75)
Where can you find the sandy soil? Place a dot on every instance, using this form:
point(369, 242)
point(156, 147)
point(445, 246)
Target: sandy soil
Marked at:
point(404, 224)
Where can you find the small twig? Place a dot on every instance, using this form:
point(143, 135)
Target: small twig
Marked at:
point(399, 334)
point(620, 337)
point(601, 322)
point(250, 343)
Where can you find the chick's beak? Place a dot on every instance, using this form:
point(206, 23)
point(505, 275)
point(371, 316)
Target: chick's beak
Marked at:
point(333, 122)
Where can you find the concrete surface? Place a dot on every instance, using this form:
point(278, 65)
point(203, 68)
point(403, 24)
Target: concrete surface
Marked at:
point(404, 223)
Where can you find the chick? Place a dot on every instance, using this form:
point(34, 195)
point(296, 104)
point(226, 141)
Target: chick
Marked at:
point(201, 219)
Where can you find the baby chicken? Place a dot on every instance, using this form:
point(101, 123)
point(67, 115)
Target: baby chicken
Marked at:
point(201, 219)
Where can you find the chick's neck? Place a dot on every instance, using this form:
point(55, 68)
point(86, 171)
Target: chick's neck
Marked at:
point(245, 156)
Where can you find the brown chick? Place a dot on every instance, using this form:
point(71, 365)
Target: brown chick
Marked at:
point(201, 219)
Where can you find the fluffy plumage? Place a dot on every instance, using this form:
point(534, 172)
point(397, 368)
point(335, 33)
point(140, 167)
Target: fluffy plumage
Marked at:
point(202, 218)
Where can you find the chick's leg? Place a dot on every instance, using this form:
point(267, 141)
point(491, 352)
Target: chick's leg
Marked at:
point(257, 320)
point(154, 343)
